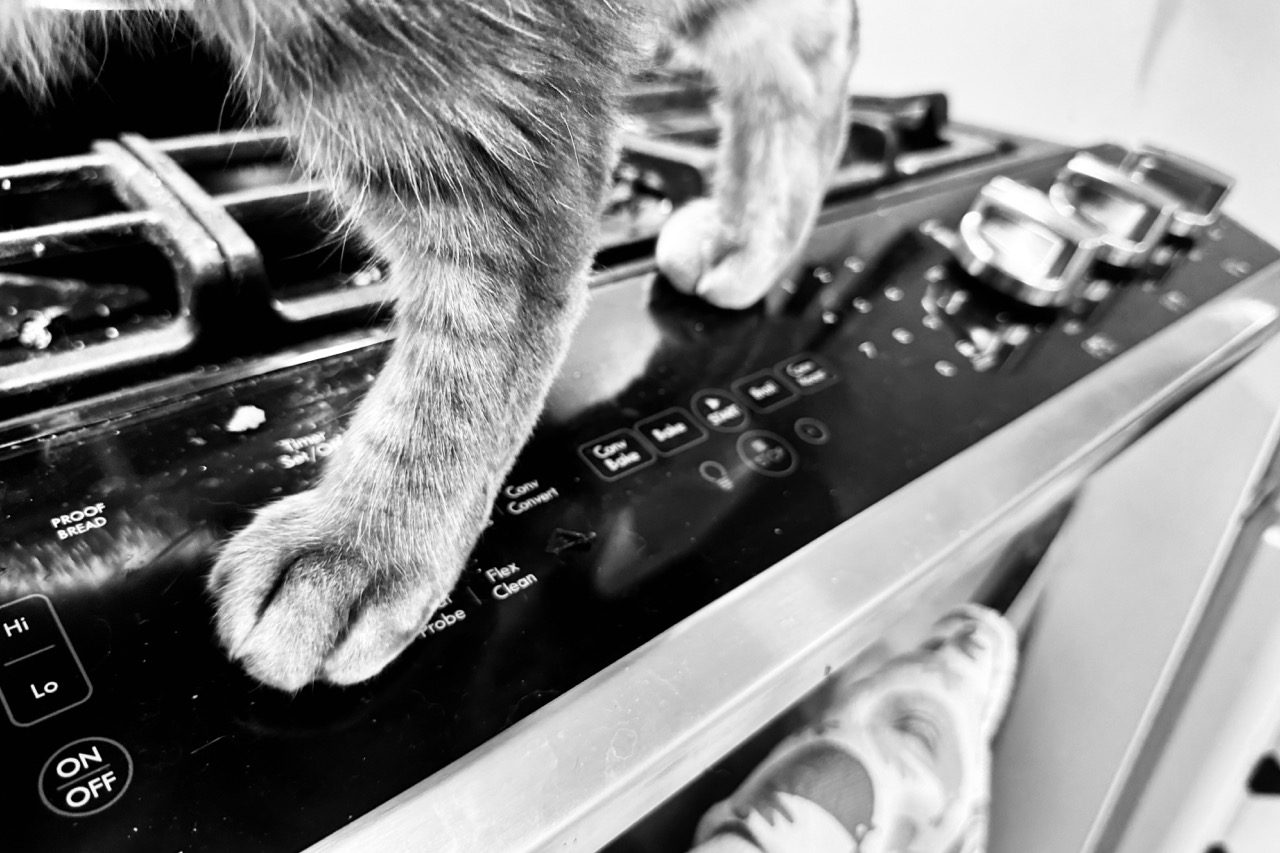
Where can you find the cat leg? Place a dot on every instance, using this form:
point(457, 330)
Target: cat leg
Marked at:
point(782, 69)
point(469, 141)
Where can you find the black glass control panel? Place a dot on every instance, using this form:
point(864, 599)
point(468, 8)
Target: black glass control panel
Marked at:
point(683, 451)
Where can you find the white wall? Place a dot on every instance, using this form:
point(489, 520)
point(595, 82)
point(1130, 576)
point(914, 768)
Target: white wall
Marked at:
point(1198, 76)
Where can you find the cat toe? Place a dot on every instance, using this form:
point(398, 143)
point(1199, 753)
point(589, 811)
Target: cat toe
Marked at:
point(690, 244)
point(293, 608)
point(698, 255)
point(282, 634)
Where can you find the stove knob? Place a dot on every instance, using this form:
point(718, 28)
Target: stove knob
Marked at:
point(1016, 241)
point(1199, 189)
point(1131, 217)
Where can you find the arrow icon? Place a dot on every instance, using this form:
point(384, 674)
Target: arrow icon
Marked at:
point(569, 540)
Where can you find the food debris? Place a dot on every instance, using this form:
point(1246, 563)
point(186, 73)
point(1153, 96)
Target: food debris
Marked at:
point(246, 419)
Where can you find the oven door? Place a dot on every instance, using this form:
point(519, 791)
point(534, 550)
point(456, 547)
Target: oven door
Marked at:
point(1147, 694)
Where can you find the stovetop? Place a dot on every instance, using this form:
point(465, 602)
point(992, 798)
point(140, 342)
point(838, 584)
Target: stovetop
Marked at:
point(209, 347)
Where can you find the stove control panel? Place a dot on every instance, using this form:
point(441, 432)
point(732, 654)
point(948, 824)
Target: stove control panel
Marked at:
point(663, 474)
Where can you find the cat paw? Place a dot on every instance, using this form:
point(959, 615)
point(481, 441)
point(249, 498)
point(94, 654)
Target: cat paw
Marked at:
point(700, 255)
point(296, 604)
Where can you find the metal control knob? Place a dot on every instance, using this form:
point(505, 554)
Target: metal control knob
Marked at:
point(1199, 189)
point(1131, 217)
point(1016, 241)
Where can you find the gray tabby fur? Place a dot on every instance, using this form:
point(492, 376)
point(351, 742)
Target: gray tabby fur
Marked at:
point(470, 141)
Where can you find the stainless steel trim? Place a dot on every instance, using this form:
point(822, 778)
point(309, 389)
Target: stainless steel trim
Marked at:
point(1132, 585)
point(579, 771)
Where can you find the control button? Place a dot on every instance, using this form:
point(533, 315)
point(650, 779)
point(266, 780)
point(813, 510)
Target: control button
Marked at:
point(813, 431)
point(766, 453)
point(984, 334)
point(719, 410)
point(616, 455)
point(763, 391)
point(449, 613)
point(808, 373)
point(1018, 243)
point(519, 498)
point(1132, 217)
point(671, 431)
point(40, 674)
point(717, 475)
point(85, 777)
point(509, 581)
point(1199, 189)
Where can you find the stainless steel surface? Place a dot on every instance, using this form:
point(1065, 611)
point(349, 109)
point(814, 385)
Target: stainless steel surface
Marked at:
point(1256, 828)
point(1016, 241)
point(579, 771)
point(1196, 795)
point(1202, 189)
point(1132, 217)
point(1129, 591)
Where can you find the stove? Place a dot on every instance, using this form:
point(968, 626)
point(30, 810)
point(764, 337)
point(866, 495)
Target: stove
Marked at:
point(716, 508)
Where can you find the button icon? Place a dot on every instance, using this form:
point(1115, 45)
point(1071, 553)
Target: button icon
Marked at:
point(85, 777)
point(717, 475)
point(808, 373)
point(813, 431)
point(616, 455)
point(671, 431)
point(719, 411)
point(764, 391)
point(40, 674)
point(563, 540)
point(766, 453)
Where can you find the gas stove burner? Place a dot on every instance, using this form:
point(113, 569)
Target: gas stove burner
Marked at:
point(890, 138)
point(139, 254)
point(99, 269)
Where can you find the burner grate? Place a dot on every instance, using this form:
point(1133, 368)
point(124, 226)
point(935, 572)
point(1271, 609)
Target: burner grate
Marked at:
point(108, 284)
